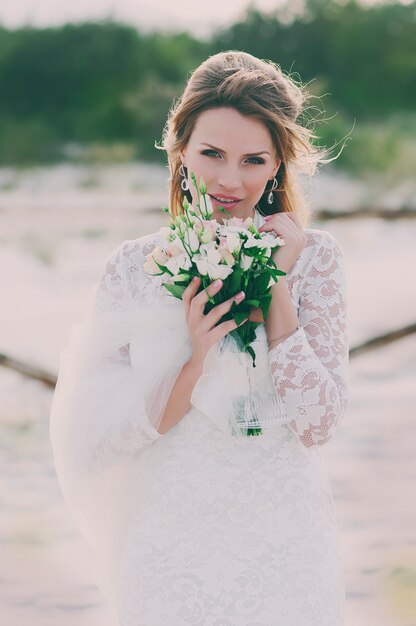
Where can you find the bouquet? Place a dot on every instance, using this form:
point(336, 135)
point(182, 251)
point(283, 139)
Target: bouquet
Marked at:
point(194, 244)
point(235, 251)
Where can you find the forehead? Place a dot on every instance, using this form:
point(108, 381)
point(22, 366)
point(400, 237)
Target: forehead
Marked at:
point(226, 126)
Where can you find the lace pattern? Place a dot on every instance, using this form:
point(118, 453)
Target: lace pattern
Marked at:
point(192, 527)
point(122, 284)
point(310, 368)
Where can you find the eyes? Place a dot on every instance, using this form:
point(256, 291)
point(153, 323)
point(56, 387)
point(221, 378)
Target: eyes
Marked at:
point(255, 160)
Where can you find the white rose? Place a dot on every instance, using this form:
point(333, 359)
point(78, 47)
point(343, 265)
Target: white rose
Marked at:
point(209, 209)
point(227, 256)
point(202, 264)
point(213, 270)
point(175, 247)
point(252, 242)
point(206, 235)
point(179, 262)
point(219, 271)
point(233, 243)
point(160, 256)
point(150, 267)
point(210, 251)
point(246, 261)
point(191, 239)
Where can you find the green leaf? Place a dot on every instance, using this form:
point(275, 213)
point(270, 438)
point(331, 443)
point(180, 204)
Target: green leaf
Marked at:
point(265, 304)
point(239, 316)
point(233, 281)
point(176, 290)
point(164, 269)
point(262, 281)
point(253, 302)
point(251, 352)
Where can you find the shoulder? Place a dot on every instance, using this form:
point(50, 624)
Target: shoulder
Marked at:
point(131, 252)
point(317, 240)
point(321, 248)
point(123, 269)
point(321, 256)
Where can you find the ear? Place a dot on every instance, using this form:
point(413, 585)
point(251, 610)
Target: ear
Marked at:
point(277, 168)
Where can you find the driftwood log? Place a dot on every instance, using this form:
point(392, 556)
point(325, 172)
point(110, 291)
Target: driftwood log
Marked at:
point(31, 371)
point(50, 379)
point(385, 214)
point(383, 340)
point(404, 212)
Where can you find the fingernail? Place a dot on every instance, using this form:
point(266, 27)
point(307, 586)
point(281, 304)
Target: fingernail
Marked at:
point(240, 295)
point(218, 282)
point(195, 279)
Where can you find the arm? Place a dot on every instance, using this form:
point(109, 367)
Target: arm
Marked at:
point(310, 366)
point(179, 401)
point(100, 416)
point(204, 334)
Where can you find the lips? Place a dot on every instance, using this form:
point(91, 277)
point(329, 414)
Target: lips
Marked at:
point(225, 199)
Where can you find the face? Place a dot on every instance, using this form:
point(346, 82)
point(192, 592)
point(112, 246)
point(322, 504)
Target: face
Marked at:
point(235, 156)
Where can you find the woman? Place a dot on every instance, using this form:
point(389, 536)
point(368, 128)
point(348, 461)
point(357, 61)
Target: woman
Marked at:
point(188, 524)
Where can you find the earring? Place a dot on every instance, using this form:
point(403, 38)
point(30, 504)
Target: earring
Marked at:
point(184, 182)
point(270, 196)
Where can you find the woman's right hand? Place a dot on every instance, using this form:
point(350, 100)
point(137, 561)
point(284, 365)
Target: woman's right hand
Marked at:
point(202, 327)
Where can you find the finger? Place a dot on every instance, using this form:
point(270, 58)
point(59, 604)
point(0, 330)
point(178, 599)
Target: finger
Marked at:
point(218, 311)
point(202, 298)
point(280, 226)
point(218, 332)
point(191, 289)
point(196, 309)
point(295, 217)
point(190, 292)
point(279, 229)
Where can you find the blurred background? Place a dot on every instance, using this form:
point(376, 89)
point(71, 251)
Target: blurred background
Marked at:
point(85, 88)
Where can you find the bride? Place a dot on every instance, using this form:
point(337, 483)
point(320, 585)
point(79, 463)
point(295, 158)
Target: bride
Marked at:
point(185, 523)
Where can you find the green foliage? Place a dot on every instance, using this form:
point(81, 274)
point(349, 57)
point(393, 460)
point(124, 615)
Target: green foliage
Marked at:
point(107, 83)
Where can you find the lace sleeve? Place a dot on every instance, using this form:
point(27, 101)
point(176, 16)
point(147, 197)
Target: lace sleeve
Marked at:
point(98, 397)
point(310, 367)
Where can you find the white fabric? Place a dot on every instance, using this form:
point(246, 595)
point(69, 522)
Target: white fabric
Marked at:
point(198, 526)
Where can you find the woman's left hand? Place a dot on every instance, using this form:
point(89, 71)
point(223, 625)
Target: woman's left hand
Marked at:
point(288, 226)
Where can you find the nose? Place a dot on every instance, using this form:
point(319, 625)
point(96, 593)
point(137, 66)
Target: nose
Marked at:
point(229, 178)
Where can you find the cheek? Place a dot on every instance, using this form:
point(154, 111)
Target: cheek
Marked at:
point(256, 183)
point(201, 166)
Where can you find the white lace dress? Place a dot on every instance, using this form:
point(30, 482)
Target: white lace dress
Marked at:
point(215, 530)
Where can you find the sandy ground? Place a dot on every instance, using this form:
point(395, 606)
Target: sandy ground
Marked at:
point(57, 227)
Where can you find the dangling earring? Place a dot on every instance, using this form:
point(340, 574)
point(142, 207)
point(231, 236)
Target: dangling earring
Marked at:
point(275, 186)
point(184, 182)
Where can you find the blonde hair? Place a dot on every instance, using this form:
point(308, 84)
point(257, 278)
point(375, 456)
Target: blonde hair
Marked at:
point(258, 89)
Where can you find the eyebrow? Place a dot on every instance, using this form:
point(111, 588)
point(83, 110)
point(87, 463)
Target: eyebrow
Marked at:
point(250, 154)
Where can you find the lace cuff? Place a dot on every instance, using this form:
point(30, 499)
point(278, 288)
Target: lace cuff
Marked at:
point(281, 339)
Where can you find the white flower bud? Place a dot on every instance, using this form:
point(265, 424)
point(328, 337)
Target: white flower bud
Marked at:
point(150, 267)
point(246, 262)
